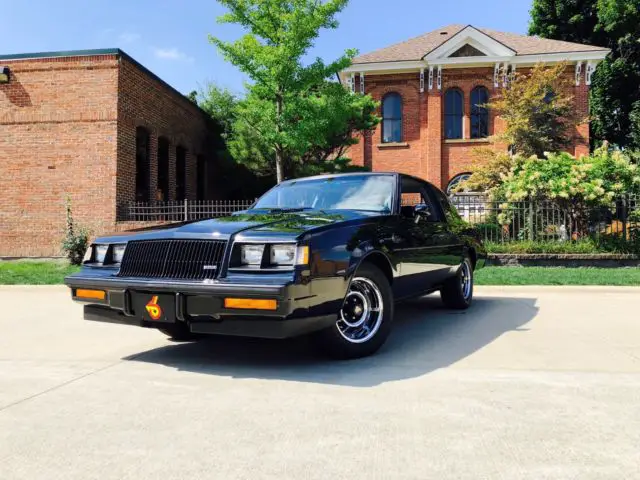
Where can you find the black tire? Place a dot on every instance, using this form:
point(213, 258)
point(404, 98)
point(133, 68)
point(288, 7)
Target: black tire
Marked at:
point(344, 342)
point(455, 293)
point(180, 332)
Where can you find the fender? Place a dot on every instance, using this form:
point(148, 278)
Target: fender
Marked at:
point(357, 260)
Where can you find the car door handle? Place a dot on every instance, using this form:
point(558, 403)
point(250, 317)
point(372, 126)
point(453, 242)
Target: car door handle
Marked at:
point(395, 238)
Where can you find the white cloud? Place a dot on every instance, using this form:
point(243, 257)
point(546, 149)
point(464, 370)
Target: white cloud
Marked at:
point(128, 37)
point(173, 54)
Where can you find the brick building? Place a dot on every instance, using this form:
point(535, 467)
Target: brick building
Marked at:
point(99, 127)
point(430, 88)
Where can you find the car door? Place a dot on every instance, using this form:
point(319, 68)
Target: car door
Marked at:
point(450, 225)
point(415, 244)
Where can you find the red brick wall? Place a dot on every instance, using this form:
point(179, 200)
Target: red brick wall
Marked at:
point(145, 101)
point(67, 127)
point(57, 138)
point(424, 152)
point(404, 157)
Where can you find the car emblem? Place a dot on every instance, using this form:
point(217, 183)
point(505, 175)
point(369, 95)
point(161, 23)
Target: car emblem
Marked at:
point(209, 267)
point(155, 312)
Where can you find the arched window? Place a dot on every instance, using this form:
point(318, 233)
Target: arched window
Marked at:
point(142, 165)
point(455, 182)
point(479, 113)
point(392, 118)
point(453, 111)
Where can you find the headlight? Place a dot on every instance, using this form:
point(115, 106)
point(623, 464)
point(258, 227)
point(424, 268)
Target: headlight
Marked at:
point(282, 254)
point(117, 252)
point(101, 252)
point(251, 254)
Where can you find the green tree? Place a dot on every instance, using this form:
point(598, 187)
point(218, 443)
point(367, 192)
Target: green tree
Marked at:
point(290, 107)
point(567, 20)
point(192, 96)
point(221, 104)
point(537, 110)
point(615, 24)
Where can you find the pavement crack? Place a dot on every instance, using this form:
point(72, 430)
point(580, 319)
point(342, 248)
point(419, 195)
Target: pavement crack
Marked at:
point(64, 384)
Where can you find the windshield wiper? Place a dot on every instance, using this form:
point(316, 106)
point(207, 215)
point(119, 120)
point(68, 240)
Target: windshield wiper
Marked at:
point(287, 210)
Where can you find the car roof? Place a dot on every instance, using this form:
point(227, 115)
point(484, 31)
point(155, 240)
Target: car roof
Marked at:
point(353, 174)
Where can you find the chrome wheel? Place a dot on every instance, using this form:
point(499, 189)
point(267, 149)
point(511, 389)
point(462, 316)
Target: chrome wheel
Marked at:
point(362, 311)
point(466, 279)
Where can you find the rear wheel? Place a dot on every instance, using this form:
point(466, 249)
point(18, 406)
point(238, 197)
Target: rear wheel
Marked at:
point(457, 292)
point(180, 332)
point(364, 321)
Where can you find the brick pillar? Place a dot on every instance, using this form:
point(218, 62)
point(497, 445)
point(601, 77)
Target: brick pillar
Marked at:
point(172, 170)
point(153, 165)
point(424, 132)
point(368, 150)
point(434, 137)
point(191, 179)
point(356, 152)
point(581, 134)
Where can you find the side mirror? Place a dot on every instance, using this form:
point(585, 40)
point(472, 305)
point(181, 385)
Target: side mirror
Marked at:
point(422, 210)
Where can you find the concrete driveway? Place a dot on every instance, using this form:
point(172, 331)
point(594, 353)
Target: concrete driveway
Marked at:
point(531, 383)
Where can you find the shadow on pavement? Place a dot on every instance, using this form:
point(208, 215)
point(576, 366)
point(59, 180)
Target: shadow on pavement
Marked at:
point(425, 337)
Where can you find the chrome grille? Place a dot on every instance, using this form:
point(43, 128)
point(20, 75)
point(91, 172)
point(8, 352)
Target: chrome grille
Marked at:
point(179, 259)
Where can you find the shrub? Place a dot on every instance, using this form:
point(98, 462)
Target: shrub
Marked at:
point(76, 239)
point(491, 231)
point(575, 185)
point(605, 244)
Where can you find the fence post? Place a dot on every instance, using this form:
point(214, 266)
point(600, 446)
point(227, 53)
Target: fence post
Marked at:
point(531, 233)
point(186, 211)
point(624, 217)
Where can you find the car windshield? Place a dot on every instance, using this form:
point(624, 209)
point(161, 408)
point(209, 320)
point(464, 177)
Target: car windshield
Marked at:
point(354, 192)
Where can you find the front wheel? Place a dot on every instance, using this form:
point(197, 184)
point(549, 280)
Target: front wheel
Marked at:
point(364, 321)
point(457, 292)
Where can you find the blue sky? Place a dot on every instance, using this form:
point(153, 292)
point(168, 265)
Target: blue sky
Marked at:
point(170, 38)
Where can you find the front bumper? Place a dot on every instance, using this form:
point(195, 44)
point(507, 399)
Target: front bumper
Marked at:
point(301, 306)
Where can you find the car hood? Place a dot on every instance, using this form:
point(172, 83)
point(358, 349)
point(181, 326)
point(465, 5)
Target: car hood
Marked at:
point(250, 224)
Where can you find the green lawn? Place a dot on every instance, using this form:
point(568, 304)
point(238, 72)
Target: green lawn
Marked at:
point(34, 272)
point(557, 276)
point(51, 272)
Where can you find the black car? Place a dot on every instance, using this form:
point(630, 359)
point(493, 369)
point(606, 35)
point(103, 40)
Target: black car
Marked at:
point(326, 255)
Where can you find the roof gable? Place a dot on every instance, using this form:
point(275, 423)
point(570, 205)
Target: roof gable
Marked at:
point(470, 36)
point(467, 51)
point(445, 41)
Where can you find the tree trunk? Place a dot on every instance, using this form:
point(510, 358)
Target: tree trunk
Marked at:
point(279, 107)
point(279, 175)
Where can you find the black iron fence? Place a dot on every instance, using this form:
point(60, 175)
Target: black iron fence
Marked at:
point(178, 211)
point(547, 220)
point(496, 221)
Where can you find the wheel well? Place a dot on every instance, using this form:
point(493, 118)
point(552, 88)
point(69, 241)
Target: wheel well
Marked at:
point(380, 261)
point(473, 257)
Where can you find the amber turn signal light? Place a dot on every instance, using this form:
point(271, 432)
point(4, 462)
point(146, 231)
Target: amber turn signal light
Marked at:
point(91, 294)
point(250, 304)
point(303, 255)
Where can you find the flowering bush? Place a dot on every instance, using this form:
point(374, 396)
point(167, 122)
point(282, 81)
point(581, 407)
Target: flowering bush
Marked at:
point(591, 181)
point(573, 184)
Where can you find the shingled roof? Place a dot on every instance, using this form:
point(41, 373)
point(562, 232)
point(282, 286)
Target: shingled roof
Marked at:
point(416, 48)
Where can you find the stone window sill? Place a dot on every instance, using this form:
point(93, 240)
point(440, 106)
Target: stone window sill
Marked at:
point(393, 145)
point(467, 140)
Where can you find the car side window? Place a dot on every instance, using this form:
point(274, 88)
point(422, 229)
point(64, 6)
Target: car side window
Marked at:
point(450, 213)
point(413, 193)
